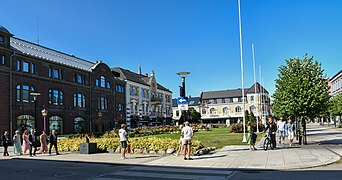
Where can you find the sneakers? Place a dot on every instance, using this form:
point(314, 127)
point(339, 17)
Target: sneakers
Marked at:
point(124, 158)
point(175, 154)
point(185, 158)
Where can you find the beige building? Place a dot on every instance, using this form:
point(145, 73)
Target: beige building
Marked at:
point(147, 102)
point(226, 106)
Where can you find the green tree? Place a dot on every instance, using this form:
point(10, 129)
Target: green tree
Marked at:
point(301, 90)
point(335, 106)
point(192, 116)
point(252, 117)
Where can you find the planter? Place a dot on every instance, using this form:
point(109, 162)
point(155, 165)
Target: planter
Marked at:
point(88, 148)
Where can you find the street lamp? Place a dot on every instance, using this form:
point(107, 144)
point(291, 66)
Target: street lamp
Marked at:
point(182, 88)
point(35, 95)
point(44, 113)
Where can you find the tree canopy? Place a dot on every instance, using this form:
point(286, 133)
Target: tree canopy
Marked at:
point(301, 89)
point(335, 108)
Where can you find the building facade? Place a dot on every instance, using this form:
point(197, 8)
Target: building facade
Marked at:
point(147, 102)
point(335, 84)
point(220, 106)
point(79, 95)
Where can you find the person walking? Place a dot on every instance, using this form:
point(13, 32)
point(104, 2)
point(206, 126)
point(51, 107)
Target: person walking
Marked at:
point(272, 129)
point(53, 141)
point(5, 142)
point(281, 130)
point(16, 143)
point(181, 144)
point(33, 143)
point(187, 134)
point(251, 136)
point(123, 140)
point(290, 129)
point(26, 142)
point(43, 142)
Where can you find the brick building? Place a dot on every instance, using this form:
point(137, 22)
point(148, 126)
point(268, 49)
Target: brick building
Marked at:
point(79, 95)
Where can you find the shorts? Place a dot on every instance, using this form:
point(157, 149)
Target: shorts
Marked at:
point(123, 144)
point(281, 133)
point(291, 135)
point(187, 142)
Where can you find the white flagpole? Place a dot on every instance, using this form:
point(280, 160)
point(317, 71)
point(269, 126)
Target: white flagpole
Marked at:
point(242, 79)
point(260, 97)
point(255, 89)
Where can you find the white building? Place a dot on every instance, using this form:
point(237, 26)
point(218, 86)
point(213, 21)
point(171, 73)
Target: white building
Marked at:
point(147, 102)
point(220, 106)
point(336, 84)
point(193, 102)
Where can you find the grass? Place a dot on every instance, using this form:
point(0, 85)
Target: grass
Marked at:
point(217, 137)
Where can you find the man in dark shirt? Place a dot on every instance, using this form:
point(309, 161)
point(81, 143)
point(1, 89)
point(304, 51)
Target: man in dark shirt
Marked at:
point(272, 129)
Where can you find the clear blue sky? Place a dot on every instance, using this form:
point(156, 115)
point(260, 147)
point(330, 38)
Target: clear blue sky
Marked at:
point(200, 36)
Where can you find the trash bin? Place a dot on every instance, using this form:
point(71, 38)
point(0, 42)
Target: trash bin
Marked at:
point(88, 148)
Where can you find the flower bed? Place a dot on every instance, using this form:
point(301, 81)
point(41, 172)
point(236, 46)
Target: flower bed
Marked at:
point(143, 143)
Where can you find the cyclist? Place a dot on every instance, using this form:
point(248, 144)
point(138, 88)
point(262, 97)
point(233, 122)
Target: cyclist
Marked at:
point(272, 129)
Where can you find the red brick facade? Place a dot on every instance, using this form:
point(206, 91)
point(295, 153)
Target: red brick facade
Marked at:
point(97, 113)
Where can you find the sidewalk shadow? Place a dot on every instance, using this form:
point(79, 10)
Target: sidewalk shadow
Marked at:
point(333, 141)
point(209, 157)
point(143, 157)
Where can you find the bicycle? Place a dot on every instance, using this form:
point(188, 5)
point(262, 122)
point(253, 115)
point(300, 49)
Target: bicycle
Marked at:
point(268, 142)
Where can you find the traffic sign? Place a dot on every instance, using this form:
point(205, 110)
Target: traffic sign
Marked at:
point(183, 107)
point(182, 100)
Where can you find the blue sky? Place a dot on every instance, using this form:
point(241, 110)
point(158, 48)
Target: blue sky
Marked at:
point(199, 36)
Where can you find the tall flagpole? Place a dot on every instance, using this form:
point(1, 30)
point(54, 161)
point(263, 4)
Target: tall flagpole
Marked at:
point(255, 89)
point(263, 99)
point(260, 97)
point(242, 79)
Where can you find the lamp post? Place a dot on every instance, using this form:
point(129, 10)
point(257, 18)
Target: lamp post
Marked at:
point(44, 113)
point(182, 88)
point(35, 95)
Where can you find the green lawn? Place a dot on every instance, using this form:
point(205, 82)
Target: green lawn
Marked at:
point(217, 137)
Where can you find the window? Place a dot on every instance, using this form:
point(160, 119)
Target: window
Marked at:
point(79, 100)
point(97, 82)
point(119, 89)
point(108, 85)
point(252, 98)
point(18, 65)
point(26, 67)
point(103, 81)
point(212, 111)
point(55, 73)
point(3, 59)
point(211, 101)
point(23, 93)
point(177, 113)
point(204, 111)
point(56, 123)
point(238, 109)
point(79, 125)
point(218, 101)
point(2, 39)
point(253, 109)
point(119, 107)
point(102, 103)
point(33, 68)
point(235, 99)
point(55, 97)
point(191, 103)
point(225, 110)
point(25, 122)
point(80, 79)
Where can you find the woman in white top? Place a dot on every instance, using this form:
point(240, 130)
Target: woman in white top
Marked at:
point(123, 140)
point(290, 129)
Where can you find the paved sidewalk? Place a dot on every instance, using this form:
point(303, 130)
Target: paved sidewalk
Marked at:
point(324, 148)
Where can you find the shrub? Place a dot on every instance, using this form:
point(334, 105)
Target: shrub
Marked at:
point(236, 128)
point(144, 143)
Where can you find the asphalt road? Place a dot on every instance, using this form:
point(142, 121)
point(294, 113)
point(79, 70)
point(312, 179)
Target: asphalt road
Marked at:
point(40, 169)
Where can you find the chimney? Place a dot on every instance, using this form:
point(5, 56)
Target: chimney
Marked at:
point(152, 73)
point(146, 74)
point(139, 69)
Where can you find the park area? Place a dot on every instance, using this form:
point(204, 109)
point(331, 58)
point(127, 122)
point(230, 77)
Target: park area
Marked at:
point(158, 139)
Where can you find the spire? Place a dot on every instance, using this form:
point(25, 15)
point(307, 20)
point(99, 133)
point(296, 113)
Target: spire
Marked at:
point(139, 69)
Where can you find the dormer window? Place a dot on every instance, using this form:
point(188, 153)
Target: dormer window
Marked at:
point(2, 39)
